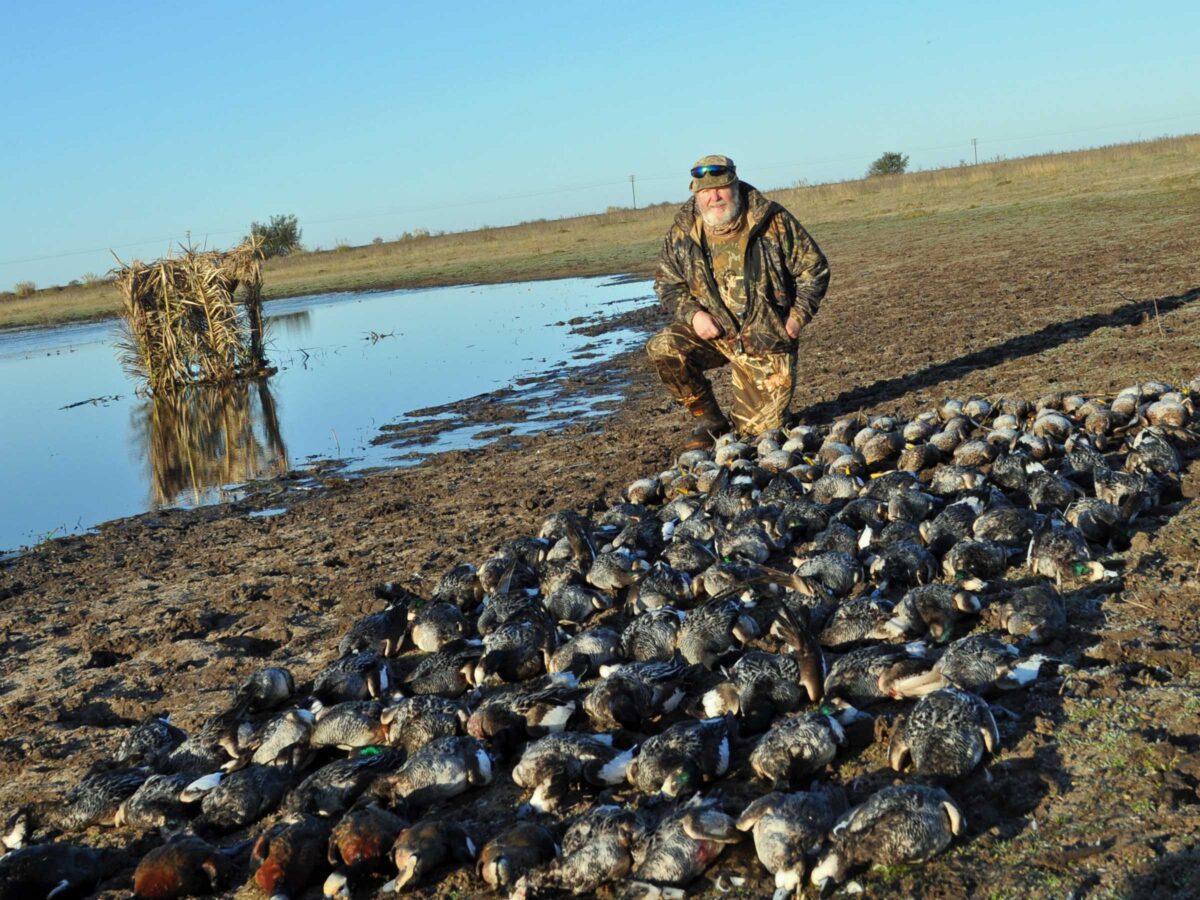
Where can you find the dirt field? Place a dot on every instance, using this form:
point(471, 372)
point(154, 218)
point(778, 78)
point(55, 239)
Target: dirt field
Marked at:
point(1095, 790)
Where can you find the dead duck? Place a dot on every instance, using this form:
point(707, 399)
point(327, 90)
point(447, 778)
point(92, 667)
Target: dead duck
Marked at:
point(426, 846)
point(206, 748)
point(1035, 612)
point(1153, 454)
point(689, 556)
point(633, 693)
point(333, 788)
point(1051, 493)
point(834, 537)
point(348, 725)
point(903, 564)
point(936, 609)
point(854, 621)
point(1097, 520)
point(503, 609)
point(616, 570)
point(838, 571)
point(585, 653)
point(836, 486)
point(289, 856)
point(977, 663)
point(911, 506)
point(974, 559)
point(513, 566)
point(921, 456)
point(799, 746)
point(652, 635)
point(1011, 526)
point(382, 632)
point(443, 768)
point(433, 626)
point(413, 722)
point(507, 715)
point(663, 585)
point(267, 688)
point(1011, 471)
point(953, 480)
point(156, 804)
point(866, 675)
point(95, 800)
point(460, 586)
point(447, 673)
point(1060, 551)
point(891, 533)
point(516, 651)
point(551, 765)
point(946, 735)
point(597, 849)
point(712, 629)
point(574, 604)
point(359, 845)
point(679, 760)
point(1130, 492)
point(229, 802)
point(516, 850)
point(685, 844)
point(760, 685)
point(788, 828)
point(358, 676)
point(951, 525)
point(748, 543)
point(642, 538)
point(283, 739)
point(185, 866)
point(904, 824)
point(150, 742)
point(63, 871)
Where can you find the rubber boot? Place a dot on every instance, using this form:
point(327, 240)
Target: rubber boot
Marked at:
point(709, 423)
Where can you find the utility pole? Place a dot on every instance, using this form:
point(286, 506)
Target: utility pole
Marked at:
point(633, 190)
point(975, 144)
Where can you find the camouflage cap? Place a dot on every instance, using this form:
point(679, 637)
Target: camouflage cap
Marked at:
point(714, 181)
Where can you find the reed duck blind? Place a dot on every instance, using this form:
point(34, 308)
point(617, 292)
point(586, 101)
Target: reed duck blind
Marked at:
point(184, 324)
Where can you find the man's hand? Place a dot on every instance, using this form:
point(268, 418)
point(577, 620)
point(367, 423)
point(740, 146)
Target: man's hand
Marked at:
point(705, 326)
point(793, 327)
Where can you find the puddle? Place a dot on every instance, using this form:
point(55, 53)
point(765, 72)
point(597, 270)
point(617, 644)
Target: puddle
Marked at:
point(80, 446)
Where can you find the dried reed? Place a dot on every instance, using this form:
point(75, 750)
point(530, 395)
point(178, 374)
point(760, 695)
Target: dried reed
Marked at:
point(183, 322)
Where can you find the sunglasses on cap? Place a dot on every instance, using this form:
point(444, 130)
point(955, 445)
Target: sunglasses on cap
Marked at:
point(702, 171)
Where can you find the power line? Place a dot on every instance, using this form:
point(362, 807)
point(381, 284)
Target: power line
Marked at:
point(360, 217)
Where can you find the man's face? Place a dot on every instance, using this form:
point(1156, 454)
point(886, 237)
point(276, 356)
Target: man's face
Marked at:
point(718, 206)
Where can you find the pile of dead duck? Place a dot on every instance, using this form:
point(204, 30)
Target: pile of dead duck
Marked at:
point(637, 688)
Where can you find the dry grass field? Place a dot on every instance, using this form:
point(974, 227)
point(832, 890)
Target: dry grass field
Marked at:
point(1062, 196)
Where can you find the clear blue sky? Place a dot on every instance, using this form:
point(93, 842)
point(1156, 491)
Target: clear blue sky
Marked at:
point(127, 126)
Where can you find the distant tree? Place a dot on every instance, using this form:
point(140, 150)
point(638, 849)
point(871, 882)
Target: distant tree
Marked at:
point(889, 164)
point(24, 288)
point(280, 236)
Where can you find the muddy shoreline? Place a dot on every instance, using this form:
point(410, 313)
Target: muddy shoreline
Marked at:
point(1095, 790)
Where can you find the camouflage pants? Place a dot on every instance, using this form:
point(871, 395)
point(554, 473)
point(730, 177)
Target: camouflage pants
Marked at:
point(762, 384)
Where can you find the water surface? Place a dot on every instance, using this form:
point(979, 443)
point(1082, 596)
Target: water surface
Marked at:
point(80, 446)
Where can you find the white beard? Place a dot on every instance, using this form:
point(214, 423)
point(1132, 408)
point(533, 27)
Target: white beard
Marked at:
point(721, 218)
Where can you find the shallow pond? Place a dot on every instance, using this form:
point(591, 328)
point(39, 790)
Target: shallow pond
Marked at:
point(80, 446)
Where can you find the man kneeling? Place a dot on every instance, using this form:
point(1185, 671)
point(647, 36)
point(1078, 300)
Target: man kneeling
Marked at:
point(741, 277)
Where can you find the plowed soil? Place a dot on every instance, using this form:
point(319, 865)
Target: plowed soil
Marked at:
point(1094, 791)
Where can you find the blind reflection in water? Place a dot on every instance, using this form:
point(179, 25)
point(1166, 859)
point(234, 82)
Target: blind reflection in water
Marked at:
point(198, 439)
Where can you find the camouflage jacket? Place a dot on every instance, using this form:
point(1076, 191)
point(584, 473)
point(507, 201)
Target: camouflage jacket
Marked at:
point(786, 273)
